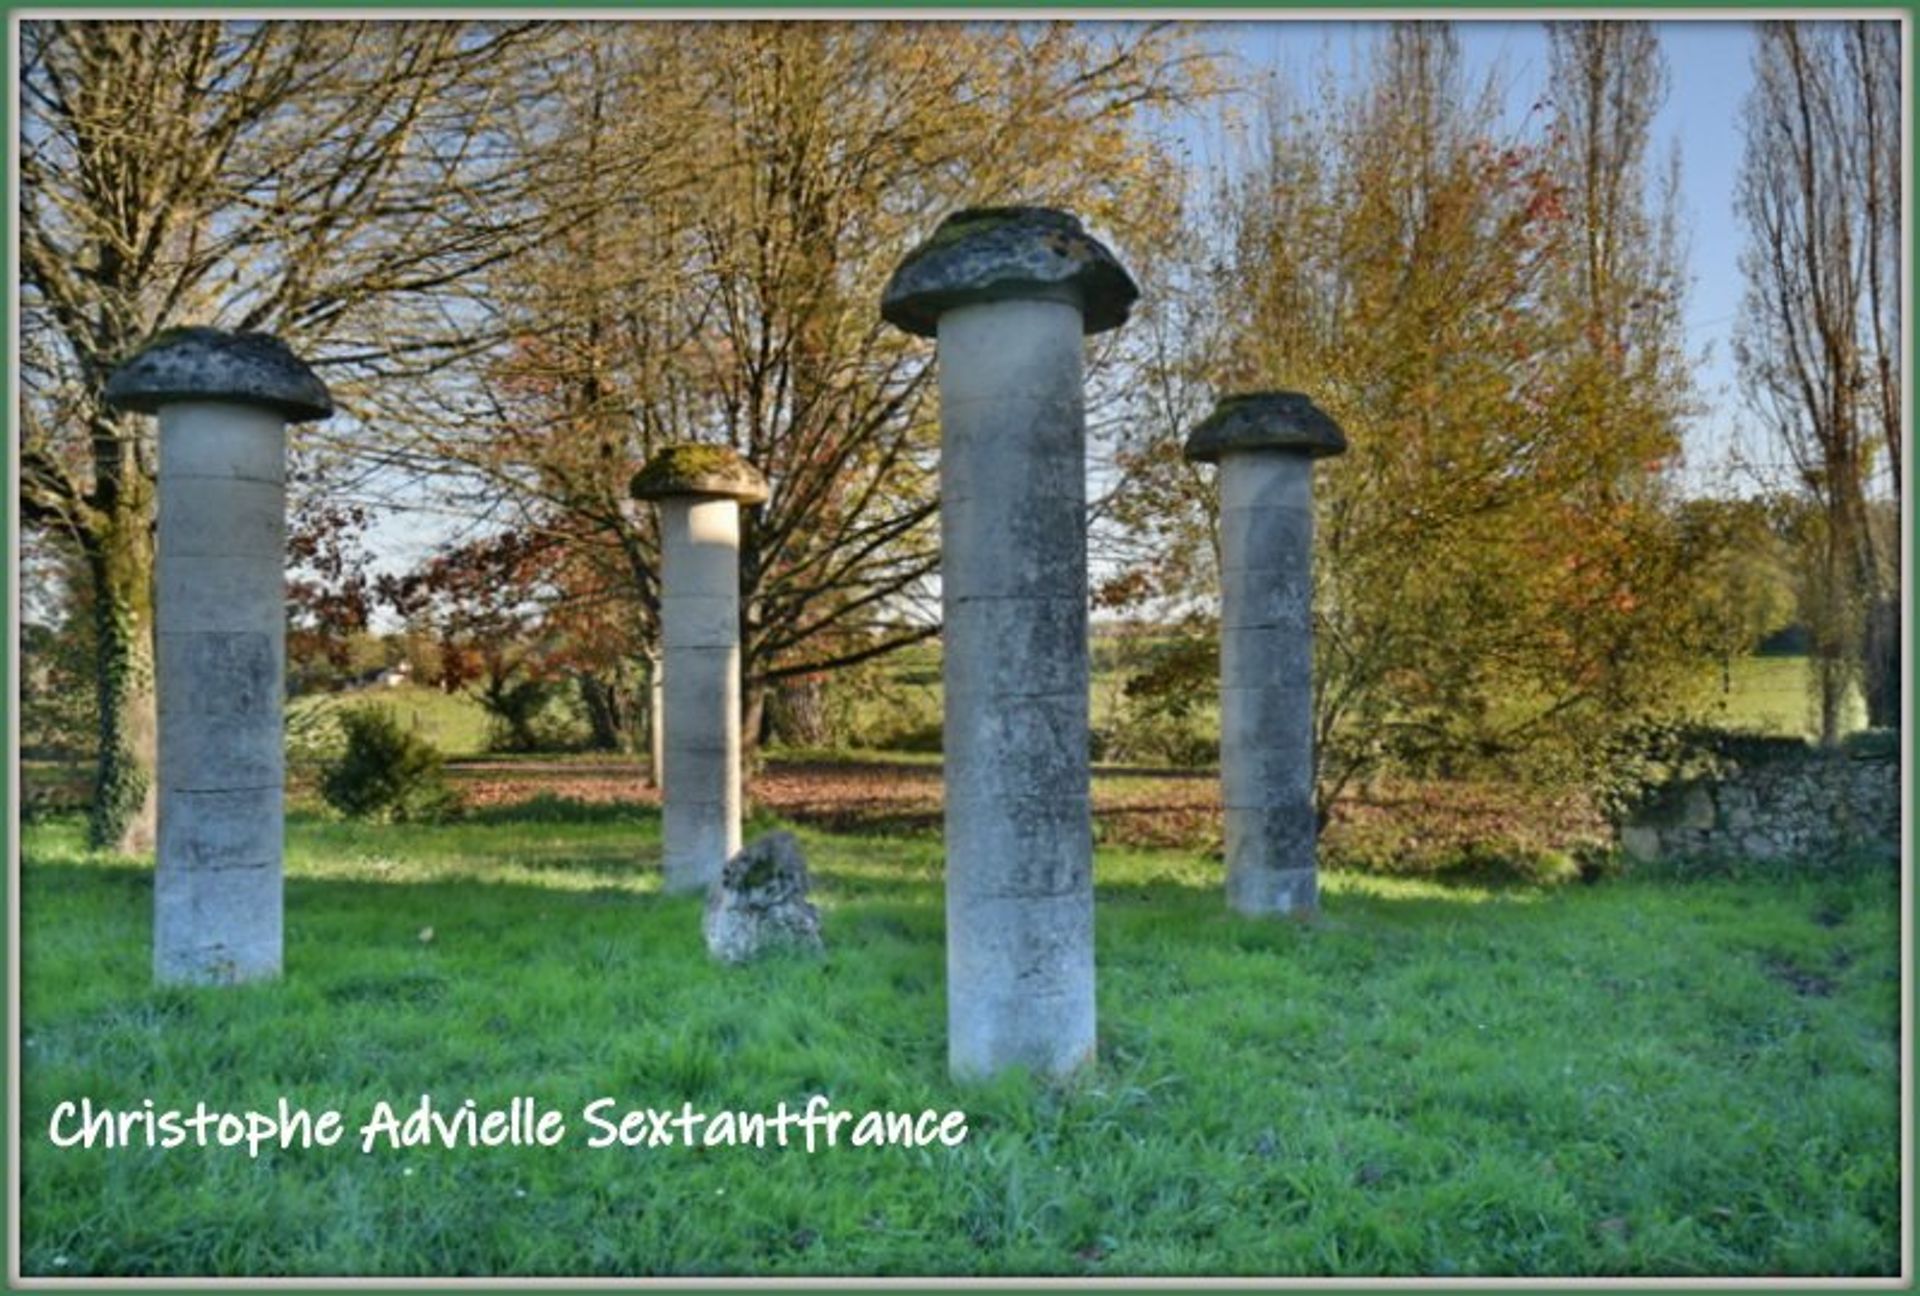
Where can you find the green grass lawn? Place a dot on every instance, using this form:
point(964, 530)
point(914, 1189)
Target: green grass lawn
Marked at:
point(1633, 1077)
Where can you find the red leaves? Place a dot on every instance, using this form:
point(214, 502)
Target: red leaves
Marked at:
point(329, 595)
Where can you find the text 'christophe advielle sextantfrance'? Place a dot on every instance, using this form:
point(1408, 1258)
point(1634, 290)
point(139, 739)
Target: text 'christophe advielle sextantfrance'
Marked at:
point(523, 1122)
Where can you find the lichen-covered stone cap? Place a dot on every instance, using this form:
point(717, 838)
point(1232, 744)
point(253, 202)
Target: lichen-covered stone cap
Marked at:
point(1268, 420)
point(691, 469)
point(1002, 253)
point(209, 364)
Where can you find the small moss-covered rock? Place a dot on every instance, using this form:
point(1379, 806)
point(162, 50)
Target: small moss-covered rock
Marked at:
point(1266, 420)
point(691, 469)
point(209, 364)
point(988, 254)
point(760, 902)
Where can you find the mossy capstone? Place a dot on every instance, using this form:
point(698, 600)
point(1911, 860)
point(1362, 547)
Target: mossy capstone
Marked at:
point(1268, 420)
point(210, 364)
point(708, 470)
point(986, 254)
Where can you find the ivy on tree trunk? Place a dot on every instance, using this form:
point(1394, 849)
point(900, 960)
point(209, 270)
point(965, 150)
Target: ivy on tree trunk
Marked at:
point(121, 560)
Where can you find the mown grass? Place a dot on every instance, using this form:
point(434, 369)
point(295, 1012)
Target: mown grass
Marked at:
point(1634, 1077)
point(454, 723)
point(1770, 695)
point(1767, 695)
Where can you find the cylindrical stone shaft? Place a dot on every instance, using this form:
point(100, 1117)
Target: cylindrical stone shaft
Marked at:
point(220, 631)
point(1266, 671)
point(1019, 840)
point(224, 401)
point(1009, 292)
point(700, 628)
point(1265, 444)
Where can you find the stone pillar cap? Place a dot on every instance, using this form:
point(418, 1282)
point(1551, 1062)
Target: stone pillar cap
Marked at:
point(986, 254)
point(210, 364)
point(693, 469)
point(1266, 420)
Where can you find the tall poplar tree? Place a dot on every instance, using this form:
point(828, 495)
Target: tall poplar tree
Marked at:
point(1819, 333)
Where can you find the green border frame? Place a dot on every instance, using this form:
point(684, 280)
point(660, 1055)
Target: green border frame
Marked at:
point(1240, 10)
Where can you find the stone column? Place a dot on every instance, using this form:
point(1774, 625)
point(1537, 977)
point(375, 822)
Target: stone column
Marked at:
point(1008, 293)
point(224, 400)
point(1265, 444)
point(699, 490)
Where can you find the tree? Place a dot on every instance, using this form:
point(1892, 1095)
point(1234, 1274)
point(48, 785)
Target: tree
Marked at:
point(323, 180)
point(484, 602)
point(329, 595)
point(1819, 335)
point(1622, 275)
point(1499, 578)
point(56, 715)
point(748, 188)
point(1746, 585)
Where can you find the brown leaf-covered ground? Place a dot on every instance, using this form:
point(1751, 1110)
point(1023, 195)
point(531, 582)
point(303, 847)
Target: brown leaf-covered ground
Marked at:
point(1132, 807)
point(1160, 808)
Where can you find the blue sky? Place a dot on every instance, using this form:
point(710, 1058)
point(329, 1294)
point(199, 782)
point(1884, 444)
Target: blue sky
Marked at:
point(1709, 64)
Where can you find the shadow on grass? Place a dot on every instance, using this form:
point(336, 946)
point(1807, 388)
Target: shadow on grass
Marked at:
point(409, 945)
point(887, 858)
point(853, 821)
point(568, 762)
point(545, 809)
point(549, 808)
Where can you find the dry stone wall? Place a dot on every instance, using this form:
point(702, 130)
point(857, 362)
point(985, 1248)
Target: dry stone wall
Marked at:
point(1777, 801)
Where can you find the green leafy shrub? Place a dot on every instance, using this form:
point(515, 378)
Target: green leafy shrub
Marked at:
point(1167, 711)
point(533, 715)
point(313, 736)
point(384, 772)
point(885, 706)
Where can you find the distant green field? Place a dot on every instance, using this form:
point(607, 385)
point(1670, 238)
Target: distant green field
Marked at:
point(1771, 695)
point(1764, 694)
point(898, 713)
point(900, 709)
point(452, 722)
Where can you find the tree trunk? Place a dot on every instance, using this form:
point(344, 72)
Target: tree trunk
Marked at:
point(609, 707)
point(753, 720)
point(1882, 668)
point(1834, 655)
point(797, 712)
point(120, 560)
point(603, 726)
